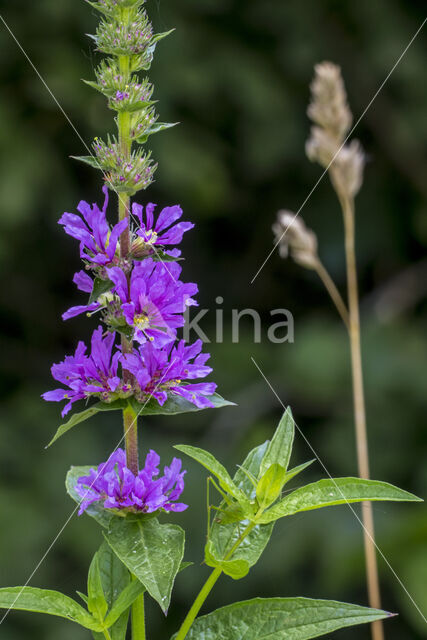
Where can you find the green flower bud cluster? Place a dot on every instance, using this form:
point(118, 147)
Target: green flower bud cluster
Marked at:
point(126, 35)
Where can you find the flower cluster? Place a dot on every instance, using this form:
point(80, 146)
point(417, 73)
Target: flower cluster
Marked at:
point(332, 118)
point(123, 39)
point(113, 484)
point(142, 299)
point(127, 175)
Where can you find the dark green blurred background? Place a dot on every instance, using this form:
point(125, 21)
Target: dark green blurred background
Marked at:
point(236, 75)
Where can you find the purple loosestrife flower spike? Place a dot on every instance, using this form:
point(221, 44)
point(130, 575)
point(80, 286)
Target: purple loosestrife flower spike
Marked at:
point(159, 372)
point(154, 301)
point(163, 231)
point(86, 376)
point(98, 243)
point(145, 492)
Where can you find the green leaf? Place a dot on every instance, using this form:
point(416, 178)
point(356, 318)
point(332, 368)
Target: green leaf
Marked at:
point(75, 419)
point(330, 492)
point(236, 569)
point(223, 536)
point(280, 619)
point(97, 604)
point(100, 287)
point(124, 601)
point(280, 448)
point(270, 486)
point(161, 256)
point(115, 578)
point(50, 602)
point(296, 470)
point(151, 551)
point(83, 597)
point(92, 161)
point(159, 36)
point(96, 510)
point(155, 128)
point(210, 463)
point(174, 405)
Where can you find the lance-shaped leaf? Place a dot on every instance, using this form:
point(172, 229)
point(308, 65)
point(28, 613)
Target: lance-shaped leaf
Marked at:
point(95, 510)
point(126, 598)
point(50, 602)
point(174, 405)
point(280, 619)
point(92, 161)
point(96, 604)
point(223, 536)
point(155, 128)
point(296, 470)
point(335, 491)
point(280, 448)
point(115, 579)
point(210, 463)
point(151, 551)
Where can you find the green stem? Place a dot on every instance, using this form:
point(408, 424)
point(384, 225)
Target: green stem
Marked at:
point(374, 594)
point(130, 426)
point(138, 618)
point(124, 124)
point(208, 586)
point(106, 634)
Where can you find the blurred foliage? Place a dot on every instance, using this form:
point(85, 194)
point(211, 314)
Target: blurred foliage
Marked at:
point(236, 75)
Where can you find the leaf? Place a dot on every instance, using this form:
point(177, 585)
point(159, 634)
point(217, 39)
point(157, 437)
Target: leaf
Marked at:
point(270, 486)
point(151, 551)
point(174, 405)
point(100, 286)
point(296, 470)
point(280, 619)
point(330, 492)
point(161, 256)
point(97, 604)
point(44, 601)
point(236, 569)
point(280, 448)
point(115, 578)
point(83, 597)
point(75, 419)
point(159, 36)
point(155, 128)
point(124, 601)
point(210, 463)
point(95, 510)
point(224, 536)
point(92, 161)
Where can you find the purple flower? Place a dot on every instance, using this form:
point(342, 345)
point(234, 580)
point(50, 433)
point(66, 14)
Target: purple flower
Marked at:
point(98, 243)
point(86, 376)
point(154, 301)
point(164, 231)
point(159, 372)
point(84, 283)
point(118, 488)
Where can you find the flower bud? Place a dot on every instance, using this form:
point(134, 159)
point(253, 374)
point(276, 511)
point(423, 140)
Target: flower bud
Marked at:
point(295, 239)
